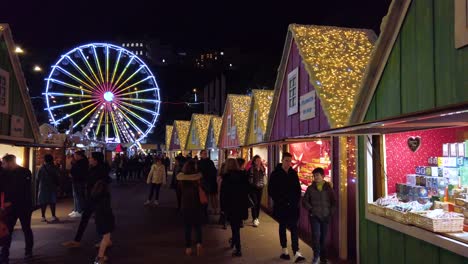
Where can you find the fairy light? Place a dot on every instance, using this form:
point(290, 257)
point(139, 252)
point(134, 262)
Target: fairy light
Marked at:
point(201, 122)
point(182, 129)
point(261, 101)
point(240, 106)
point(335, 59)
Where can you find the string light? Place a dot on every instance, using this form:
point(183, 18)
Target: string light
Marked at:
point(215, 124)
point(201, 122)
point(240, 106)
point(261, 101)
point(335, 59)
point(182, 129)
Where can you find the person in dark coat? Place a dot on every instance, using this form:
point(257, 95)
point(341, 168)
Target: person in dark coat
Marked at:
point(101, 198)
point(47, 183)
point(192, 209)
point(320, 202)
point(285, 191)
point(209, 184)
point(179, 164)
point(16, 185)
point(235, 188)
point(79, 172)
point(256, 175)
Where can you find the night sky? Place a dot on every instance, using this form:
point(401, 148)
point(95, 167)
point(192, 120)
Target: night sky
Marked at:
point(46, 29)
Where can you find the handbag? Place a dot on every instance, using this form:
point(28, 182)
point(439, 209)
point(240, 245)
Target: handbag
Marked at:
point(202, 194)
point(4, 232)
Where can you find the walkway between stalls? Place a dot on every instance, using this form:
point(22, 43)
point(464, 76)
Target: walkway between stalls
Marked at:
point(148, 235)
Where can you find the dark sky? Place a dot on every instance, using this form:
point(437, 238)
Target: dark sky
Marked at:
point(46, 29)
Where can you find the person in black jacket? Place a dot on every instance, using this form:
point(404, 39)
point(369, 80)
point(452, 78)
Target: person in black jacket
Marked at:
point(209, 184)
point(78, 172)
point(16, 184)
point(285, 191)
point(320, 202)
point(236, 189)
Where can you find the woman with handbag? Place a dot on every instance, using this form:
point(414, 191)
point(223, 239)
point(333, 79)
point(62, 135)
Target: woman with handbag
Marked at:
point(193, 200)
point(235, 188)
point(47, 183)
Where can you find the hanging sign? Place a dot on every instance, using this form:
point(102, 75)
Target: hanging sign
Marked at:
point(4, 88)
point(17, 126)
point(307, 106)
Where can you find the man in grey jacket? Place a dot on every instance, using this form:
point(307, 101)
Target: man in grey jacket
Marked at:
point(320, 201)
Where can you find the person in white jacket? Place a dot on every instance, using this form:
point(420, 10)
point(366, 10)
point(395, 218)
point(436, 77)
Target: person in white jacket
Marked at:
point(156, 178)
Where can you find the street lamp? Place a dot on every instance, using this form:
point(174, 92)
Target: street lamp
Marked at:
point(19, 50)
point(37, 68)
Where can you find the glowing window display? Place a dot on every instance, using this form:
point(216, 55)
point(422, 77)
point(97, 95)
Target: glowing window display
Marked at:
point(310, 155)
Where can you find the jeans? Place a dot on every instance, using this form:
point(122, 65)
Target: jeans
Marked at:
point(188, 234)
point(256, 195)
point(235, 228)
point(25, 219)
point(319, 234)
point(291, 224)
point(78, 196)
point(154, 188)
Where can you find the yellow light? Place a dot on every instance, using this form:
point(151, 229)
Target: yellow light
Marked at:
point(201, 122)
point(37, 68)
point(261, 101)
point(19, 161)
point(182, 129)
point(240, 108)
point(335, 59)
point(215, 124)
point(19, 50)
point(194, 90)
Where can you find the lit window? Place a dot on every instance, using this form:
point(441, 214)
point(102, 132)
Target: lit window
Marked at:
point(222, 53)
point(230, 64)
point(132, 45)
point(123, 44)
point(163, 60)
point(141, 44)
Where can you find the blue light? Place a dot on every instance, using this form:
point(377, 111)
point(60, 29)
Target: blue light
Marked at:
point(108, 96)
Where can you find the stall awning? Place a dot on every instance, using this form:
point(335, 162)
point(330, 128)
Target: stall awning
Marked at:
point(453, 116)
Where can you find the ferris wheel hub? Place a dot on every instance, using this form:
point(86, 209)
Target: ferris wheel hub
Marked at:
point(108, 96)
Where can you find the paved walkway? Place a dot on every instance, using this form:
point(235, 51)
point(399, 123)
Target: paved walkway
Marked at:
point(148, 235)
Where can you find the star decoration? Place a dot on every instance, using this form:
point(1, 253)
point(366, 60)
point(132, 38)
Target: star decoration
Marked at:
point(297, 162)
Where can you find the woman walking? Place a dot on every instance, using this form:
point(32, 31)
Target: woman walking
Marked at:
point(47, 183)
point(156, 178)
point(192, 208)
point(235, 188)
point(101, 198)
point(256, 175)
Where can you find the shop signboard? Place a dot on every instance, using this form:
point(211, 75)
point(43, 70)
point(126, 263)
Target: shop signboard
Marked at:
point(4, 88)
point(307, 106)
point(17, 126)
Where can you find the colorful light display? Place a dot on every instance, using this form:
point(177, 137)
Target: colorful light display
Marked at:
point(108, 90)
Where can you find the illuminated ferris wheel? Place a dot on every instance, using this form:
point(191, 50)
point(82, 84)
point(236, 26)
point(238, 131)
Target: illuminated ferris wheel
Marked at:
point(104, 91)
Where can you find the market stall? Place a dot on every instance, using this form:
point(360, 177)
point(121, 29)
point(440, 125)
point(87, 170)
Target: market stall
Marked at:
point(256, 131)
point(315, 91)
point(212, 138)
point(232, 137)
point(198, 132)
point(179, 137)
point(412, 119)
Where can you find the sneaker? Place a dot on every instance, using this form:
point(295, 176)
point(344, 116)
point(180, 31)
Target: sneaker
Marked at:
point(256, 222)
point(147, 202)
point(54, 219)
point(285, 256)
point(72, 213)
point(298, 258)
point(43, 219)
point(156, 203)
point(75, 215)
point(71, 244)
point(236, 253)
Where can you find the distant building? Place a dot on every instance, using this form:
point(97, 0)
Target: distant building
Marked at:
point(215, 96)
point(138, 47)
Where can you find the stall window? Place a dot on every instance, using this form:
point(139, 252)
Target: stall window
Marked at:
point(420, 177)
point(292, 92)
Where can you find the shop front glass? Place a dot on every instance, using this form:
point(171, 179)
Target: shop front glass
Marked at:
point(310, 155)
point(17, 151)
point(424, 180)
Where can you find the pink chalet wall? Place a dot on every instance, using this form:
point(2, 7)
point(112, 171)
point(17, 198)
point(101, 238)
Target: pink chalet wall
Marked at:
point(285, 126)
point(401, 160)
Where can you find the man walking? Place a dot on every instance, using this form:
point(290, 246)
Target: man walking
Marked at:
point(285, 191)
point(78, 172)
point(16, 184)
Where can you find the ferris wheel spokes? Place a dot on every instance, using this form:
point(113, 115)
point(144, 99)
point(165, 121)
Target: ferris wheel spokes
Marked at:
point(131, 122)
point(138, 108)
point(116, 65)
point(75, 78)
point(107, 64)
point(85, 116)
point(96, 60)
point(79, 69)
point(139, 91)
point(69, 95)
point(85, 60)
point(78, 88)
point(124, 70)
point(72, 114)
point(70, 104)
point(133, 85)
point(130, 77)
point(136, 116)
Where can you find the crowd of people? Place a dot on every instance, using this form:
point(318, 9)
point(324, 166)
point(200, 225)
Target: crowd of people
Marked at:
point(201, 189)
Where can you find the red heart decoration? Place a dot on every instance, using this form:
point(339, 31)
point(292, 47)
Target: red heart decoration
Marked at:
point(414, 143)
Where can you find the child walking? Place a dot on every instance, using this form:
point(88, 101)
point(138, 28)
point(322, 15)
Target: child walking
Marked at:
point(156, 178)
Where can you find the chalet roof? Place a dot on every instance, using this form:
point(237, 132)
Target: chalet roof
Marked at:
point(182, 129)
point(390, 29)
point(201, 123)
point(168, 136)
point(263, 99)
point(215, 123)
point(240, 105)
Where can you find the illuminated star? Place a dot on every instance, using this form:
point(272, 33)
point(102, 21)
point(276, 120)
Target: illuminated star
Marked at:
point(297, 162)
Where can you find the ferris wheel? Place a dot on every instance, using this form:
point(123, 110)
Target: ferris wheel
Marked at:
point(104, 91)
